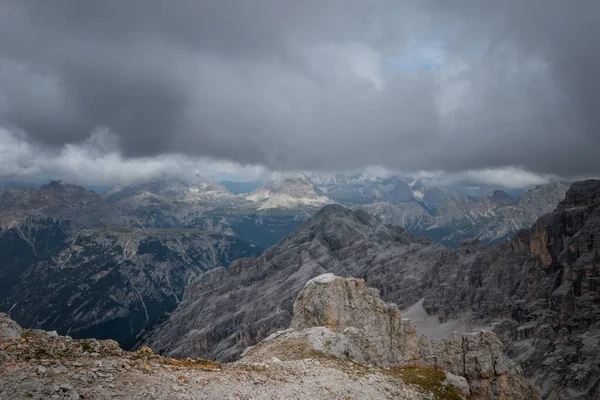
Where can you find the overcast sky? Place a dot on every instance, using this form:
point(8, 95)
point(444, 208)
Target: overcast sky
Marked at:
point(490, 90)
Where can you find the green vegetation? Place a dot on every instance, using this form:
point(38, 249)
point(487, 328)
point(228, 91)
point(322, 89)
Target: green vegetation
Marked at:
point(430, 379)
point(85, 346)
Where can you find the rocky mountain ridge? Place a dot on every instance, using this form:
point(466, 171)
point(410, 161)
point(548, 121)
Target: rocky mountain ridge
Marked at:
point(57, 201)
point(488, 219)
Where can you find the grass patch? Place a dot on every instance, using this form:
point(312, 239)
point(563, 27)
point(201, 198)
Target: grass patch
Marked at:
point(85, 346)
point(430, 379)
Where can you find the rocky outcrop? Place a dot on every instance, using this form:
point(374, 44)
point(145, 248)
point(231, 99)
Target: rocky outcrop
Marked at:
point(350, 307)
point(9, 329)
point(347, 319)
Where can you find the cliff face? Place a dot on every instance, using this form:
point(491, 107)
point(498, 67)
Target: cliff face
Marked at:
point(540, 292)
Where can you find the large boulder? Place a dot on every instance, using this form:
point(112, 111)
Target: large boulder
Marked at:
point(9, 329)
point(349, 306)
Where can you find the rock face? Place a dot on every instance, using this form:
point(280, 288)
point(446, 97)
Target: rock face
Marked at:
point(349, 306)
point(346, 318)
point(540, 294)
point(9, 329)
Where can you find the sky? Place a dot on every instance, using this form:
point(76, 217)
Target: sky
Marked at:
point(112, 91)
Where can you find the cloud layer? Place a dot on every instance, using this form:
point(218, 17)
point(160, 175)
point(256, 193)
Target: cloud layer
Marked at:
point(312, 85)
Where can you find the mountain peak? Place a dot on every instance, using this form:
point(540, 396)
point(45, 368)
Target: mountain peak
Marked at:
point(291, 193)
point(500, 197)
point(582, 194)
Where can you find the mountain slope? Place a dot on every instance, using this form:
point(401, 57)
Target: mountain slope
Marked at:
point(107, 283)
point(69, 262)
point(224, 311)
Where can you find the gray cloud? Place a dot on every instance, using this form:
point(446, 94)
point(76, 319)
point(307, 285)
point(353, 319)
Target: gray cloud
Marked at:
point(332, 85)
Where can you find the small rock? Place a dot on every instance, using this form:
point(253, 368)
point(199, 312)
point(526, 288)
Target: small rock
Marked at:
point(107, 393)
point(41, 369)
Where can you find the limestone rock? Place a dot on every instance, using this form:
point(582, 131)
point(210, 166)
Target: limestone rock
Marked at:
point(9, 329)
point(345, 318)
point(349, 306)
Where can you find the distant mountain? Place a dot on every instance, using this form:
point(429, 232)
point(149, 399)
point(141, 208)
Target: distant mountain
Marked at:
point(71, 261)
point(458, 217)
point(241, 187)
point(353, 190)
point(297, 194)
point(268, 214)
point(57, 201)
point(165, 203)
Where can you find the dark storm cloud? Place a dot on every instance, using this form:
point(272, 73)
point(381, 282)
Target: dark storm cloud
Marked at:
point(426, 85)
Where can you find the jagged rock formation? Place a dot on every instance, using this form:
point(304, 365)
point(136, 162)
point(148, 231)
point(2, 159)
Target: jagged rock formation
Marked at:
point(538, 292)
point(356, 324)
point(57, 201)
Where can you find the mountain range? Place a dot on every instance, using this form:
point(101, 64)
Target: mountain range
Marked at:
point(169, 261)
point(537, 291)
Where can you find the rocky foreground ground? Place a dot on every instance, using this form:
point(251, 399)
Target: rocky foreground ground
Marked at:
point(344, 343)
point(41, 365)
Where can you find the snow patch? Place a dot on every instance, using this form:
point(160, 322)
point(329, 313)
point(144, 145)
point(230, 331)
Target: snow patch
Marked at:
point(418, 194)
point(325, 278)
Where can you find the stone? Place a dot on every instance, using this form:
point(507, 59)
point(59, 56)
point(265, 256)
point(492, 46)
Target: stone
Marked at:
point(458, 382)
point(9, 329)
